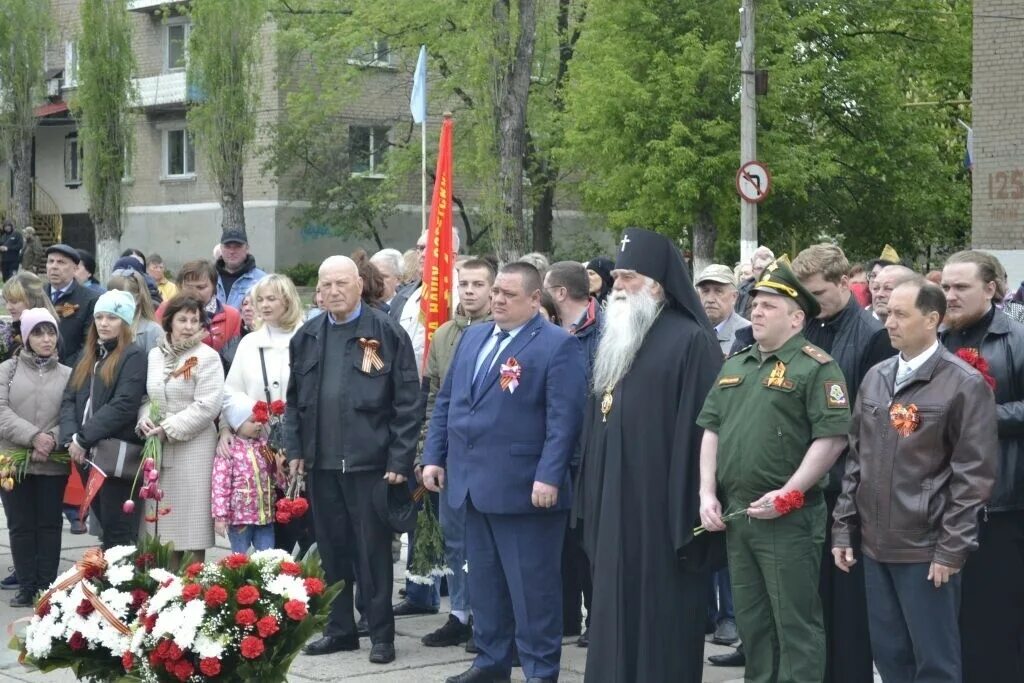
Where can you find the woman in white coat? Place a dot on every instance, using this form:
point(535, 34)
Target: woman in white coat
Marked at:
point(265, 350)
point(186, 381)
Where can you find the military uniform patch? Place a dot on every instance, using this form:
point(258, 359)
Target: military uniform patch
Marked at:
point(730, 381)
point(835, 395)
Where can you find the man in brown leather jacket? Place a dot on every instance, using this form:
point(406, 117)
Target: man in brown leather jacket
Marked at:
point(922, 462)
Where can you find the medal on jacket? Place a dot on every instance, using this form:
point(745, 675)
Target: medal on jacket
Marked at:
point(606, 404)
point(777, 378)
point(371, 359)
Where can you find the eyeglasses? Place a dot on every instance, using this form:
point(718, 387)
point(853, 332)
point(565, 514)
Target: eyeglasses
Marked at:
point(421, 247)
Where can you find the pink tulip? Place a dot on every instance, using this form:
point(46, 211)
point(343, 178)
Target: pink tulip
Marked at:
point(148, 464)
point(128, 507)
point(152, 475)
point(144, 493)
point(158, 494)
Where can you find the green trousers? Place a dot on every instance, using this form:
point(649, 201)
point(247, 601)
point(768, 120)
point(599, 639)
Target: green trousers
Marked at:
point(775, 567)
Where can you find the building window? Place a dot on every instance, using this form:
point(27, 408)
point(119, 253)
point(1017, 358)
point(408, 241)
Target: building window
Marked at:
point(72, 160)
point(176, 52)
point(70, 64)
point(377, 53)
point(179, 154)
point(367, 149)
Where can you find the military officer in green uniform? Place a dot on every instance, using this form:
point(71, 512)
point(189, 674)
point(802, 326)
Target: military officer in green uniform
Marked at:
point(775, 421)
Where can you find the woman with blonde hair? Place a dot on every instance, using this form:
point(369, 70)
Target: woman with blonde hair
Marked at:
point(21, 292)
point(260, 373)
point(146, 330)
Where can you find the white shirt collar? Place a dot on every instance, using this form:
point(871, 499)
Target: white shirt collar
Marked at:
point(919, 359)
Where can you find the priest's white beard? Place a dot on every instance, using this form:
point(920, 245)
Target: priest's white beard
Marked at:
point(627, 320)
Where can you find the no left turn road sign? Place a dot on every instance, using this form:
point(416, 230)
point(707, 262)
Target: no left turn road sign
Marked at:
point(753, 182)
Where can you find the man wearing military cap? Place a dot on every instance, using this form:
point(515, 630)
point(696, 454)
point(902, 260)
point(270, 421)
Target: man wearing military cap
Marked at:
point(774, 423)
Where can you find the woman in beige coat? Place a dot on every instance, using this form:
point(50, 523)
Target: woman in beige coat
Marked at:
point(31, 388)
point(186, 381)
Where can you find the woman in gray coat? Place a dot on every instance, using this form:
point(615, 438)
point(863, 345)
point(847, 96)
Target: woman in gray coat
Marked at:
point(31, 387)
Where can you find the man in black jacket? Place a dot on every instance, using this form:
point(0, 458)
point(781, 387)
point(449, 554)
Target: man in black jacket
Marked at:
point(857, 341)
point(992, 602)
point(73, 302)
point(353, 418)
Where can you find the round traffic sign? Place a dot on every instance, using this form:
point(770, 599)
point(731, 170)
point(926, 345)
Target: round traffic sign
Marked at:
point(753, 182)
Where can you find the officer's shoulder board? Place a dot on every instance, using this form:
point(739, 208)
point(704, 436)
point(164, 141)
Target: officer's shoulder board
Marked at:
point(817, 354)
point(736, 353)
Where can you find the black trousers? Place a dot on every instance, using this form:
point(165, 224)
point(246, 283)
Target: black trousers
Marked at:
point(10, 269)
point(349, 533)
point(118, 528)
point(992, 611)
point(34, 519)
point(577, 586)
point(845, 609)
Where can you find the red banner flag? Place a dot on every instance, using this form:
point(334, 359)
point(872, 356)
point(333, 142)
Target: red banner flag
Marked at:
point(92, 486)
point(438, 264)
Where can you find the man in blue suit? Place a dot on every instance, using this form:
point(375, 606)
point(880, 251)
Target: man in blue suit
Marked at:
point(503, 431)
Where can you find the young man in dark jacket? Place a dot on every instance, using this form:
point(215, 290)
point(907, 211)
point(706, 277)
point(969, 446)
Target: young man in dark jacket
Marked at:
point(992, 615)
point(921, 464)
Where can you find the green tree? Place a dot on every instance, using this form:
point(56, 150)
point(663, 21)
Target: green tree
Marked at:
point(652, 121)
point(24, 27)
point(103, 108)
point(224, 56)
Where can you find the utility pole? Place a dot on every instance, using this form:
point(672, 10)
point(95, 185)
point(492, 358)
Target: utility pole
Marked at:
point(748, 125)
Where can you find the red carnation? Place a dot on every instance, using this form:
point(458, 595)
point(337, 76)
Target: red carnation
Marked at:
point(216, 596)
point(77, 641)
point(191, 591)
point(267, 626)
point(84, 608)
point(235, 560)
point(149, 621)
point(973, 357)
point(789, 501)
point(192, 571)
point(261, 412)
point(299, 507)
point(144, 560)
point(282, 517)
point(295, 609)
point(174, 652)
point(252, 647)
point(209, 666)
point(314, 586)
point(162, 648)
point(245, 617)
point(183, 669)
point(139, 597)
point(277, 407)
point(247, 595)
point(154, 659)
point(290, 568)
point(127, 661)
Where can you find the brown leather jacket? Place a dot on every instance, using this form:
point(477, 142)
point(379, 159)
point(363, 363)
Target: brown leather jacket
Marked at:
point(916, 498)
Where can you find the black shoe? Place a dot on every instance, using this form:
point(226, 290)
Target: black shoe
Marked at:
point(331, 644)
point(406, 609)
point(475, 675)
point(584, 639)
point(736, 658)
point(453, 632)
point(23, 598)
point(10, 583)
point(471, 647)
point(362, 629)
point(382, 653)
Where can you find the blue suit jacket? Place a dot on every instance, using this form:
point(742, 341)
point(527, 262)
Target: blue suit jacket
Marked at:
point(496, 444)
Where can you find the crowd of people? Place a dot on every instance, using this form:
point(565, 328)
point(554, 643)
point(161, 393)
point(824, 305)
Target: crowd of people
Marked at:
point(613, 448)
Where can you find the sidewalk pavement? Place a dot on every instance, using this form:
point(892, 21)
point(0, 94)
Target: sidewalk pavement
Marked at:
point(414, 661)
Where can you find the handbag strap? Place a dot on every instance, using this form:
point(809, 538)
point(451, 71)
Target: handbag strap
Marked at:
point(266, 382)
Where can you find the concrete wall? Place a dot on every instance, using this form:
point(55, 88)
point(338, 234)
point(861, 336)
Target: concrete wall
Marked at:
point(998, 120)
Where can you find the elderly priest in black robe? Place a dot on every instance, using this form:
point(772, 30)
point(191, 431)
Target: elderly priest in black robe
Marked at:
point(637, 491)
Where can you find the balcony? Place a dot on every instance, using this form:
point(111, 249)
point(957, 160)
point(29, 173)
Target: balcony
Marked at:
point(151, 5)
point(164, 91)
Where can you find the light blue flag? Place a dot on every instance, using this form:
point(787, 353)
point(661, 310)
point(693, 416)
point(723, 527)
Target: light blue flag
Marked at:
point(418, 102)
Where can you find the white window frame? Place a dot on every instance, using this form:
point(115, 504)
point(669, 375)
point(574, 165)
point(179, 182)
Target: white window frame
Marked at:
point(188, 158)
point(371, 55)
point(372, 171)
point(69, 155)
point(70, 64)
point(187, 27)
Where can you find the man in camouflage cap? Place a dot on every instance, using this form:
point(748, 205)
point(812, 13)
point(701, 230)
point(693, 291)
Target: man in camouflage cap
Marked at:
point(774, 423)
